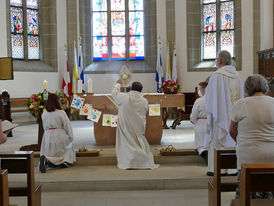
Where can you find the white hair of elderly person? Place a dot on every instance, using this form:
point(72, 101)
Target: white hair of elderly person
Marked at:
point(223, 90)
point(252, 123)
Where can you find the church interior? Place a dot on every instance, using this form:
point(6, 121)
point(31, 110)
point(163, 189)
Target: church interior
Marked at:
point(80, 50)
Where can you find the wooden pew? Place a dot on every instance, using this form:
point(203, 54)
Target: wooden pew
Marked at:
point(22, 163)
point(22, 102)
point(4, 188)
point(223, 159)
point(255, 178)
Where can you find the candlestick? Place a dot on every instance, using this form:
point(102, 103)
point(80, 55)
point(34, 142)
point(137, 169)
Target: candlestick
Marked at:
point(90, 86)
point(79, 86)
point(45, 84)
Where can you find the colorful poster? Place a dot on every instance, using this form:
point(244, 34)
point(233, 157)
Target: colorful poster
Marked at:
point(77, 102)
point(94, 115)
point(114, 121)
point(106, 120)
point(86, 110)
point(154, 110)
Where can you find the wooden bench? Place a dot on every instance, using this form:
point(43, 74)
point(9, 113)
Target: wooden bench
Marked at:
point(255, 178)
point(15, 102)
point(223, 159)
point(22, 163)
point(4, 188)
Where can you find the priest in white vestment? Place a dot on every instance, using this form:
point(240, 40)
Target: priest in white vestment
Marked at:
point(132, 148)
point(198, 117)
point(223, 90)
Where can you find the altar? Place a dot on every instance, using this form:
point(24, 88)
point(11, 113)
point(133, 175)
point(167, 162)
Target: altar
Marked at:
point(104, 103)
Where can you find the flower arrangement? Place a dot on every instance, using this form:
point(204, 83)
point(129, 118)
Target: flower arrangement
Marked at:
point(36, 103)
point(170, 87)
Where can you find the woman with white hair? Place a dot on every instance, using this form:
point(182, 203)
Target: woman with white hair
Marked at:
point(252, 124)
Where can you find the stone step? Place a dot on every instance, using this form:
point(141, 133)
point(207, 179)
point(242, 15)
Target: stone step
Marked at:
point(109, 158)
point(110, 178)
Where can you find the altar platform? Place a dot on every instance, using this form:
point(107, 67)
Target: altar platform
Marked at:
point(94, 179)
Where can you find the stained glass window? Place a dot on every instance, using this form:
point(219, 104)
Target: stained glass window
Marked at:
point(117, 5)
point(227, 41)
point(119, 48)
point(136, 5)
point(209, 1)
point(99, 5)
point(33, 47)
point(136, 23)
point(118, 23)
point(136, 47)
point(28, 10)
point(100, 47)
point(210, 45)
point(16, 2)
point(32, 4)
point(218, 27)
point(17, 44)
point(227, 15)
point(100, 24)
point(16, 21)
point(123, 37)
point(32, 19)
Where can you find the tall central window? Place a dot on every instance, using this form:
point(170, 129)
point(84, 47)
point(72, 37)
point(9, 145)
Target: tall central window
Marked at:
point(118, 29)
point(217, 27)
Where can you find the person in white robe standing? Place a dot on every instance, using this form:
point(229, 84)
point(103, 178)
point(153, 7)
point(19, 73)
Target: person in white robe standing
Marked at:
point(56, 147)
point(132, 148)
point(198, 117)
point(223, 90)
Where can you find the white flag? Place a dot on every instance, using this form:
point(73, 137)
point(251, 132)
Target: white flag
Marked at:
point(168, 64)
point(174, 66)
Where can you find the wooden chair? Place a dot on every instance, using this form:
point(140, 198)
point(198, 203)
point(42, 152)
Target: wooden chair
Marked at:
point(190, 98)
point(255, 178)
point(22, 163)
point(223, 159)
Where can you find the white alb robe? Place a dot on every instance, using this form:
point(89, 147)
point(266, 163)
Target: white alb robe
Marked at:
point(57, 139)
point(223, 90)
point(198, 117)
point(132, 148)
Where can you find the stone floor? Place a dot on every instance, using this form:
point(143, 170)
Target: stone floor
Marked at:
point(182, 137)
point(196, 197)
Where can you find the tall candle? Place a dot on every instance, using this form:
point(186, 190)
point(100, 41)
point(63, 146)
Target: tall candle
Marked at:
point(90, 86)
point(45, 84)
point(79, 86)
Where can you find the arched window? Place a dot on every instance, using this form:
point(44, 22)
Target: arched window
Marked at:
point(118, 30)
point(24, 27)
point(217, 28)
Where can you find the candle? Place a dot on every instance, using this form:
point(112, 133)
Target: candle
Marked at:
point(90, 86)
point(79, 86)
point(45, 84)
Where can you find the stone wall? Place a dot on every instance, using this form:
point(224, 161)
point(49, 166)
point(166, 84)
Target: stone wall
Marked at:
point(256, 34)
point(48, 31)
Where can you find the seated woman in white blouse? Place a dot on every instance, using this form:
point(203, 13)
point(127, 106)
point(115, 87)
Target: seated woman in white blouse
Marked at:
point(252, 124)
